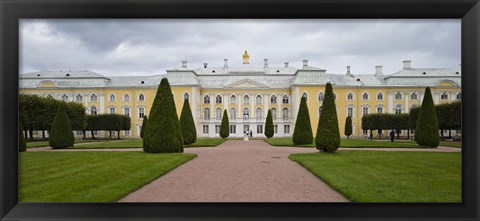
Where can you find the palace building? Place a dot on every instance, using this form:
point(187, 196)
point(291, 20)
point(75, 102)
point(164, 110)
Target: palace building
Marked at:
point(248, 92)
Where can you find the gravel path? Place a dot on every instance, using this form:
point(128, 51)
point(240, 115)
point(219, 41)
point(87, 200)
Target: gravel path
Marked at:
point(238, 171)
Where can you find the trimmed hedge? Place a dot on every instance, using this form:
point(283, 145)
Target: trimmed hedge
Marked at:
point(22, 144)
point(108, 122)
point(144, 125)
point(225, 125)
point(328, 135)
point(348, 127)
point(189, 132)
point(163, 133)
point(269, 132)
point(426, 133)
point(449, 116)
point(61, 133)
point(303, 128)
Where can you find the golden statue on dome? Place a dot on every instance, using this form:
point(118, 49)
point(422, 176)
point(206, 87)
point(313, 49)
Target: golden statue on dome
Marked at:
point(245, 56)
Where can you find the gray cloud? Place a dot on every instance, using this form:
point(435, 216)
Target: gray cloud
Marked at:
point(145, 47)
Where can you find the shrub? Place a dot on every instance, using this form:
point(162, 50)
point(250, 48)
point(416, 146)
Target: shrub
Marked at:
point(61, 134)
point(144, 125)
point(303, 128)
point(426, 133)
point(328, 135)
point(22, 144)
point(269, 125)
point(163, 133)
point(189, 132)
point(126, 124)
point(224, 126)
point(348, 126)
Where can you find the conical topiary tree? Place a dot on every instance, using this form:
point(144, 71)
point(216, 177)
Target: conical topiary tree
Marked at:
point(61, 134)
point(426, 132)
point(144, 125)
point(348, 127)
point(269, 125)
point(224, 126)
point(303, 128)
point(22, 144)
point(328, 135)
point(163, 133)
point(189, 132)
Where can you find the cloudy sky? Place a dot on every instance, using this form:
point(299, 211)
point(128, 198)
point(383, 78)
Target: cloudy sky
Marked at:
point(147, 47)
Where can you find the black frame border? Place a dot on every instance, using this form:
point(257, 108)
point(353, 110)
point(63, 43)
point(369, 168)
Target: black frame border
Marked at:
point(11, 11)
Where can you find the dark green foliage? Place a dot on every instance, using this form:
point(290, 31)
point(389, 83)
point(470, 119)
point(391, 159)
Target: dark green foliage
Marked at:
point(269, 125)
point(224, 126)
point(303, 128)
point(144, 125)
point(449, 116)
point(108, 122)
point(386, 122)
point(348, 126)
point(189, 132)
point(126, 123)
point(22, 144)
point(163, 133)
point(426, 133)
point(76, 115)
point(61, 134)
point(414, 117)
point(328, 135)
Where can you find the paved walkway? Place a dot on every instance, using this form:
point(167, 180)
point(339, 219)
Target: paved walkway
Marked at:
point(238, 171)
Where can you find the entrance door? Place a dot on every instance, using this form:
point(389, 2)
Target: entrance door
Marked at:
point(246, 128)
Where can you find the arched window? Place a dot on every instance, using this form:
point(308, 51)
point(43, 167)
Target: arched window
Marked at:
point(258, 113)
point(141, 97)
point(206, 99)
point(380, 109)
point(285, 113)
point(414, 96)
point(233, 114)
point(218, 114)
point(65, 97)
point(206, 114)
point(365, 110)
point(350, 111)
point(246, 113)
point(111, 110)
point(444, 96)
point(319, 111)
point(273, 99)
point(380, 96)
point(141, 112)
point(274, 113)
point(398, 96)
point(79, 98)
point(350, 96)
point(398, 109)
point(258, 99)
point(218, 99)
point(126, 111)
point(93, 110)
point(459, 96)
point(305, 95)
point(126, 98)
point(186, 96)
point(285, 99)
point(93, 98)
point(111, 98)
point(321, 96)
point(233, 99)
point(246, 99)
point(365, 96)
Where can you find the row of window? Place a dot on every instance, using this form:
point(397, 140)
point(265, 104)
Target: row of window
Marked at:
point(246, 129)
point(126, 111)
point(246, 113)
point(397, 96)
point(94, 97)
point(246, 99)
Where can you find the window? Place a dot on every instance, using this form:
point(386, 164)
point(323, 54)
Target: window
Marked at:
point(273, 99)
point(206, 99)
point(111, 98)
point(93, 110)
point(217, 129)
point(274, 113)
point(365, 96)
point(285, 99)
point(319, 111)
point(233, 114)
point(259, 129)
point(233, 129)
point(186, 96)
point(126, 111)
point(258, 113)
point(444, 96)
point(65, 97)
point(79, 98)
point(218, 99)
point(350, 111)
point(205, 129)
point(350, 96)
point(141, 112)
point(206, 114)
point(380, 96)
point(286, 129)
point(285, 113)
point(380, 109)
point(305, 95)
point(321, 96)
point(233, 99)
point(414, 96)
point(126, 132)
point(365, 110)
point(218, 114)
point(258, 100)
point(246, 99)
point(398, 109)
point(126, 98)
point(111, 110)
point(246, 128)
point(78, 133)
point(459, 96)
point(398, 96)
point(275, 129)
point(246, 113)
point(141, 97)
point(93, 98)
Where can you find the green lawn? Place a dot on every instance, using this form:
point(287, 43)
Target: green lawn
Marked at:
point(381, 176)
point(90, 176)
point(351, 143)
point(451, 144)
point(45, 143)
point(208, 142)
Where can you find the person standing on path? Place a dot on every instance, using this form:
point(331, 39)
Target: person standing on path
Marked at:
point(392, 135)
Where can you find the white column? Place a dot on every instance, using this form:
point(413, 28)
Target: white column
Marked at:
point(279, 108)
point(390, 102)
point(406, 102)
point(239, 103)
point(85, 100)
point(265, 105)
point(252, 106)
point(436, 96)
point(102, 103)
point(225, 102)
point(295, 98)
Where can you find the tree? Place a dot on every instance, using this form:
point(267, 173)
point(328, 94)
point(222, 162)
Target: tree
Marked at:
point(189, 132)
point(61, 133)
point(225, 125)
point(144, 125)
point(348, 127)
point(303, 128)
point(328, 135)
point(163, 133)
point(426, 133)
point(126, 124)
point(269, 125)
point(22, 144)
